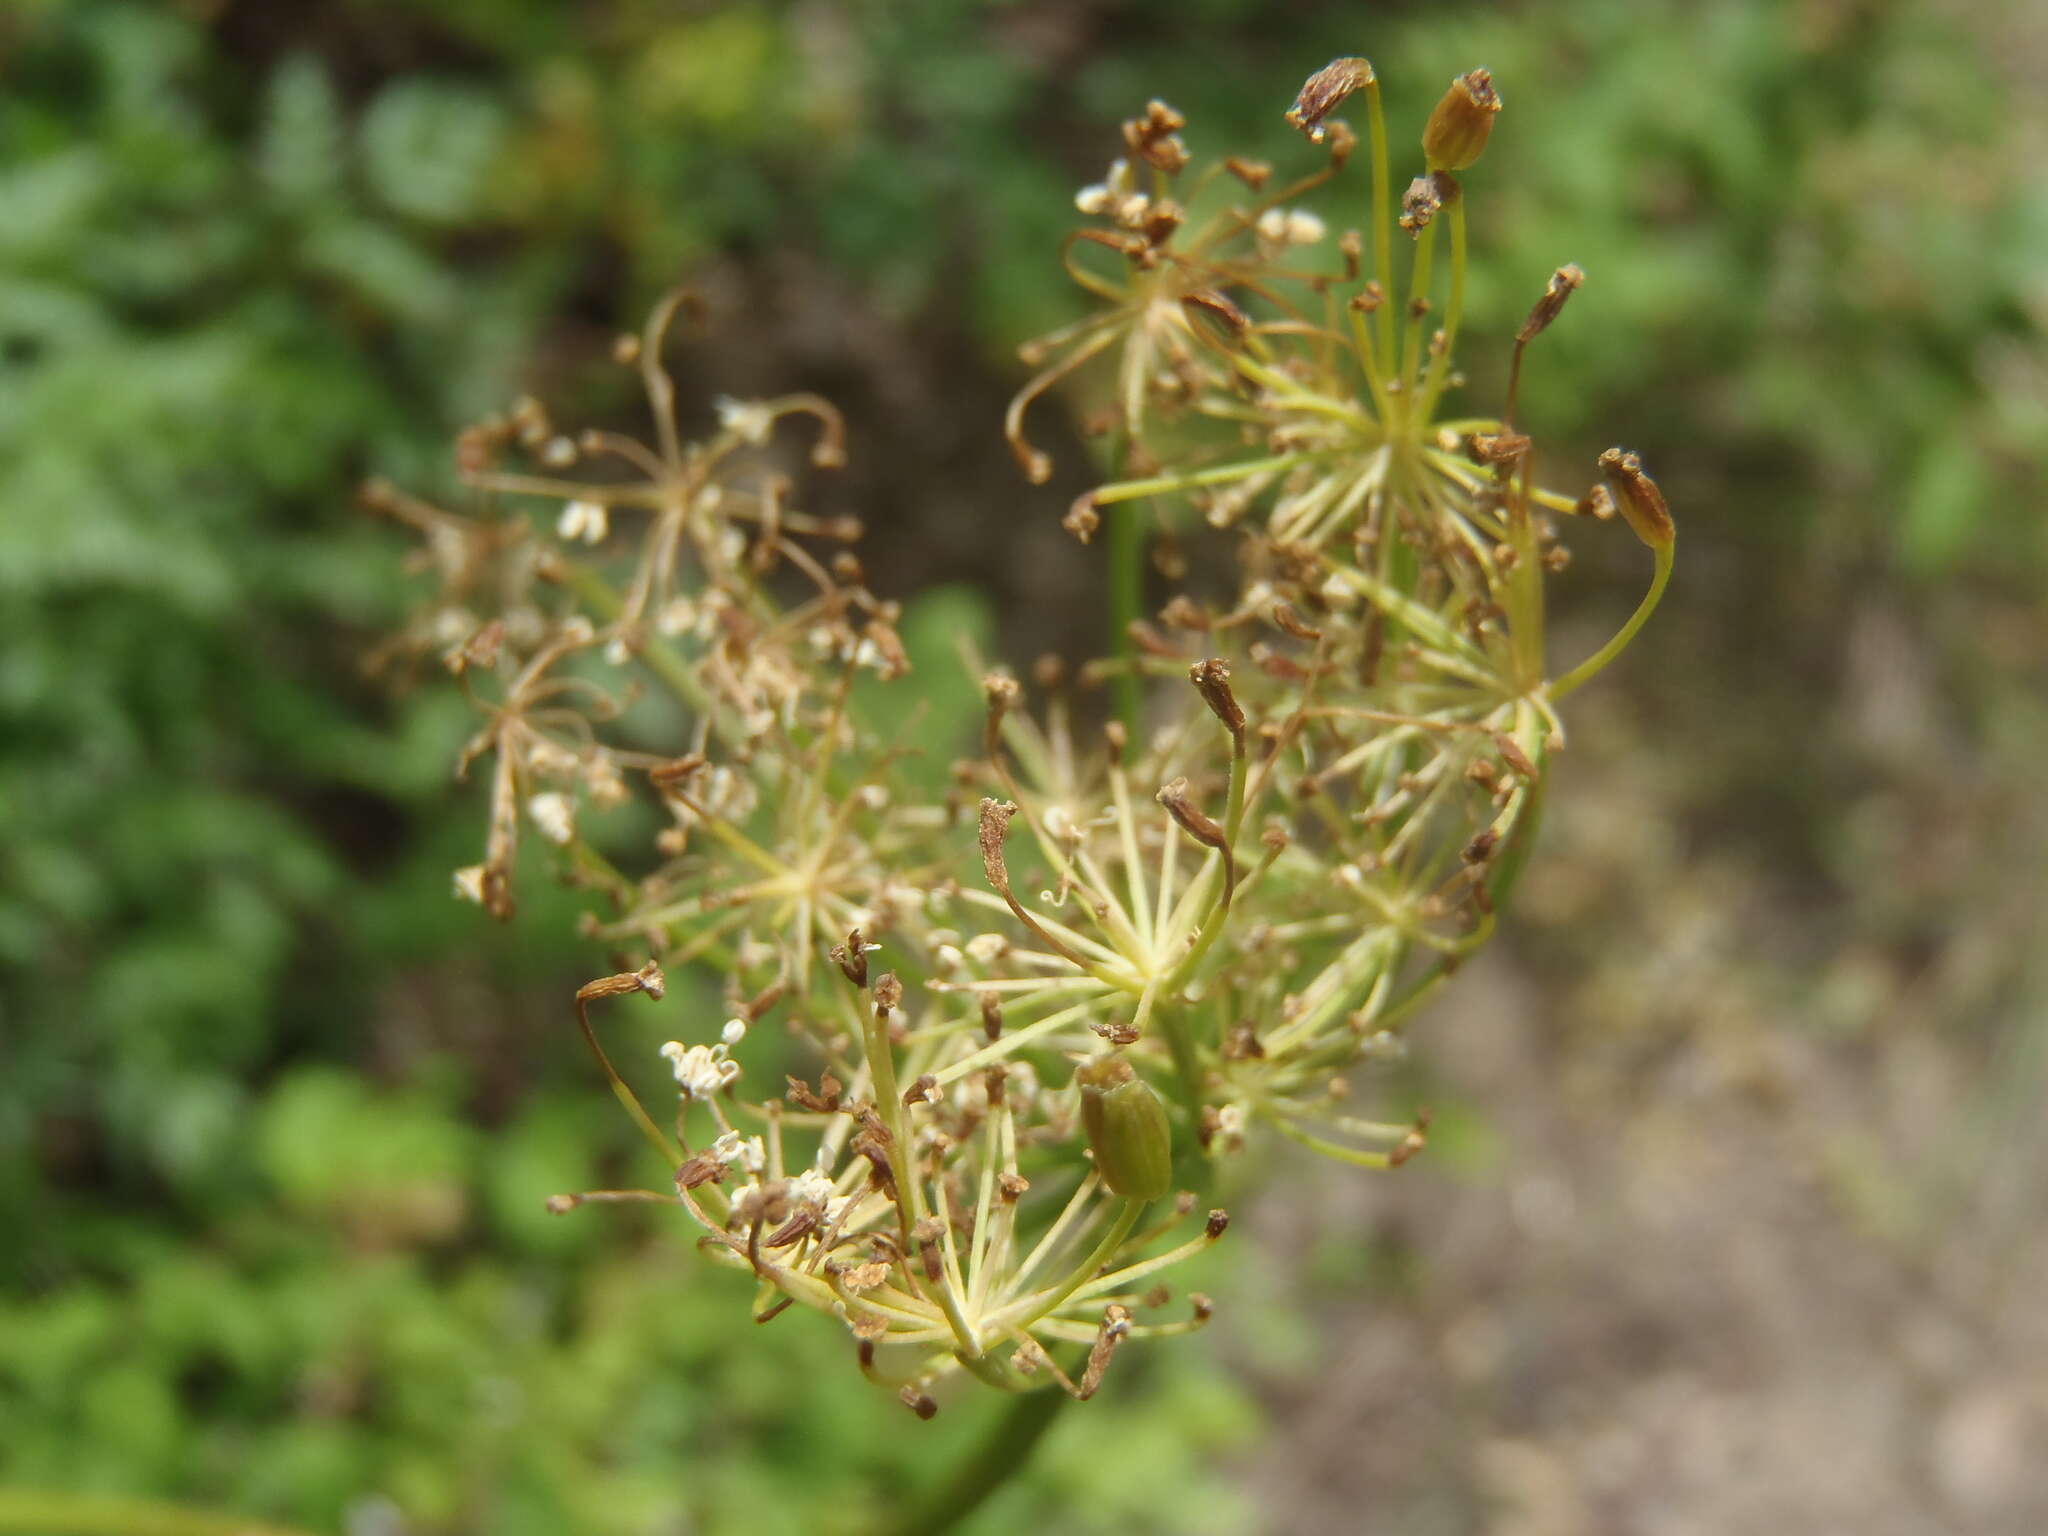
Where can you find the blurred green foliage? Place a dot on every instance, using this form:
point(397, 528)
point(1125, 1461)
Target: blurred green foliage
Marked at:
point(276, 1115)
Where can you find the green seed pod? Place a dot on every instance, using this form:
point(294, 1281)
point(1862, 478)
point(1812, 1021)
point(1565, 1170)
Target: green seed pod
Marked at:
point(1127, 1129)
point(1459, 127)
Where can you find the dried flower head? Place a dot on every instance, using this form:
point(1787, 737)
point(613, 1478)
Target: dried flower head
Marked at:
point(1016, 1027)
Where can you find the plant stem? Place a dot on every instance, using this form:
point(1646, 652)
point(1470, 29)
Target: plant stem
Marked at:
point(1126, 594)
point(1586, 669)
point(1382, 222)
point(1418, 298)
point(1440, 365)
point(999, 1458)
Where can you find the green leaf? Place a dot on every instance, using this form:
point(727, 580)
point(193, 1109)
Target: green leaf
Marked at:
point(299, 152)
point(429, 147)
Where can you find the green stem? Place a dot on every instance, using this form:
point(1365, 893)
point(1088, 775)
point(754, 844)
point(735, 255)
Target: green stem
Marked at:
point(1440, 365)
point(1187, 1065)
point(1126, 596)
point(1587, 669)
point(1418, 295)
point(1382, 221)
point(1001, 1457)
point(1098, 1260)
point(1220, 474)
point(624, 1093)
point(78, 1514)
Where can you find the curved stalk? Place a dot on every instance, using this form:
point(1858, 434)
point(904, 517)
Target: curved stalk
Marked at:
point(1586, 670)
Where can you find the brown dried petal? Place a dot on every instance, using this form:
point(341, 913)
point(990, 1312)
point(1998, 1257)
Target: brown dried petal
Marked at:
point(1212, 680)
point(1324, 91)
point(1564, 282)
point(1174, 796)
point(995, 824)
point(1081, 519)
point(864, 1277)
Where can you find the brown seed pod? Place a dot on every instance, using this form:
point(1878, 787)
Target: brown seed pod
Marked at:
point(1458, 129)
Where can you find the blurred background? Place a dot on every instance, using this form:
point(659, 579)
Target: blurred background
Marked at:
point(1738, 1214)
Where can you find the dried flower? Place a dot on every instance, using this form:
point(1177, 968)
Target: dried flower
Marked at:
point(1186, 924)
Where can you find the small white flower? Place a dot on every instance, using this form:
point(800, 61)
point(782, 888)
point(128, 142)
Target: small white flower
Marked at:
point(745, 1153)
point(469, 883)
point(1305, 228)
point(749, 420)
point(1230, 1120)
point(452, 626)
point(555, 814)
point(1105, 194)
point(947, 959)
point(617, 652)
point(734, 1032)
point(559, 453)
point(607, 785)
point(676, 617)
point(1291, 226)
point(550, 759)
point(986, 948)
point(811, 1188)
point(585, 520)
point(701, 1070)
point(576, 630)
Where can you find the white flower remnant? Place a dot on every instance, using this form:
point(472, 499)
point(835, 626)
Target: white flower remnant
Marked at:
point(746, 1153)
point(1291, 226)
point(583, 521)
point(469, 883)
point(701, 1070)
point(748, 420)
point(554, 814)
